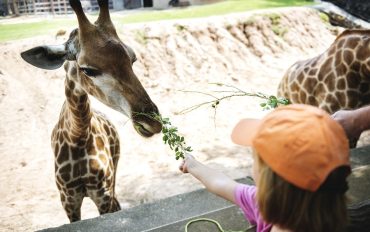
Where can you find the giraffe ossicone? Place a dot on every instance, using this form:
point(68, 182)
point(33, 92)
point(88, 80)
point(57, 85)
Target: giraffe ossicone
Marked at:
point(86, 144)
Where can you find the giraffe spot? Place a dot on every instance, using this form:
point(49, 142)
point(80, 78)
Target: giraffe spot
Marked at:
point(99, 143)
point(106, 128)
point(341, 69)
point(365, 71)
point(109, 182)
point(353, 80)
point(341, 97)
point(71, 192)
point(366, 99)
point(62, 197)
point(92, 151)
point(302, 97)
point(338, 58)
point(71, 85)
point(94, 166)
point(330, 82)
point(312, 101)
point(331, 50)
point(63, 155)
point(341, 84)
point(83, 167)
point(356, 66)
point(73, 71)
point(77, 153)
point(74, 183)
point(83, 99)
point(362, 54)
point(65, 169)
point(76, 170)
point(74, 98)
point(364, 87)
point(100, 192)
point(60, 138)
point(300, 77)
point(65, 177)
point(66, 136)
point(348, 57)
point(330, 98)
point(340, 44)
point(100, 175)
point(352, 43)
point(313, 72)
point(325, 68)
point(320, 92)
point(70, 199)
point(68, 93)
point(353, 98)
point(56, 149)
point(92, 180)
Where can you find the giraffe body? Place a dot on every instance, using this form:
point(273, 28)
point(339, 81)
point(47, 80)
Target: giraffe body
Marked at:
point(85, 143)
point(337, 79)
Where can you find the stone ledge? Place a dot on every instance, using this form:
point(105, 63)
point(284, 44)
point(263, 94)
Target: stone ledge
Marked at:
point(172, 214)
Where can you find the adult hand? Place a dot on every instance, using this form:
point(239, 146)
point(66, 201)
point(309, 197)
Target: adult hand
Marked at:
point(348, 120)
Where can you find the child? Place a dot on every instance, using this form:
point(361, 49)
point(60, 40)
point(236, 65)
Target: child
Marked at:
point(301, 161)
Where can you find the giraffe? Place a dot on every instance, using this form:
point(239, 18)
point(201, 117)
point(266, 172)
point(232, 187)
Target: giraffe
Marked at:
point(85, 143)
point(339, 78)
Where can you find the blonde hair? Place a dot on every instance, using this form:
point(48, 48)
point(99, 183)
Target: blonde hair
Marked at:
point(290, 207)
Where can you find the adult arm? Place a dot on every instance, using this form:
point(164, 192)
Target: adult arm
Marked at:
point(354, 122)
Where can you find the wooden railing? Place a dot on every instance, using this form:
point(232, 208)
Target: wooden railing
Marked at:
point(55, 6)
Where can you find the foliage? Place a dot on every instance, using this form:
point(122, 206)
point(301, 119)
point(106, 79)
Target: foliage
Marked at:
point(270, 101)
point(28, 29)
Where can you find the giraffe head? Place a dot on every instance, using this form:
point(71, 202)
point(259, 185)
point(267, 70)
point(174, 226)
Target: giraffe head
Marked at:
point(99, 63)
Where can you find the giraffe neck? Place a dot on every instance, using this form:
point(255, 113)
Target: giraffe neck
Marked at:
point(76, 112)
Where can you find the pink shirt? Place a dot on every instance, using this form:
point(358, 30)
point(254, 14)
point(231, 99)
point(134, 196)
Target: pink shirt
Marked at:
point(245, 198)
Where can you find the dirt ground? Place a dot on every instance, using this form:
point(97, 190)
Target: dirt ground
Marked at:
point(247, 50)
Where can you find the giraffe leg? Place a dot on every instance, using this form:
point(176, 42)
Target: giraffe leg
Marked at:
point(105, 201)
point(72, 204)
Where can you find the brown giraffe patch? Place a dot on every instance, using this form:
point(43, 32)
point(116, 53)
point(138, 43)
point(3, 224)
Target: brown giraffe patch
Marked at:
point(342, 99)
point(63, 155)
point(348, 57)
point(341, 84)
point(353, 80)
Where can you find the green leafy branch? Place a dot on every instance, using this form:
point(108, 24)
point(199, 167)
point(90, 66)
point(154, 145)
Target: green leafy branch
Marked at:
point(169, 136)
point(233, 91)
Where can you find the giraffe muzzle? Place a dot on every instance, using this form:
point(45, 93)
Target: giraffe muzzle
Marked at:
point(147, 130)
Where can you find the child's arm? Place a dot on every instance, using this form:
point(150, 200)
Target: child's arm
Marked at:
point(215, 181)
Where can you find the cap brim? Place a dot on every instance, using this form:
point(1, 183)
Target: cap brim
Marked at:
point(245, 131)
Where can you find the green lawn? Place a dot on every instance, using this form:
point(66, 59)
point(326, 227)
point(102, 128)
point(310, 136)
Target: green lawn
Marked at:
point(30, 29)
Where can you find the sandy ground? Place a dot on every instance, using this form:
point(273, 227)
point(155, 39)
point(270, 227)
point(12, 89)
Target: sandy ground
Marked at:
point(173, 57)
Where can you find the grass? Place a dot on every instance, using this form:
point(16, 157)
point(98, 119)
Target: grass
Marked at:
point(30, 29)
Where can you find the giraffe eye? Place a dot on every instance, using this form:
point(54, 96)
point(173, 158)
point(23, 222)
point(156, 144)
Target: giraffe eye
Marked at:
point(90, 72)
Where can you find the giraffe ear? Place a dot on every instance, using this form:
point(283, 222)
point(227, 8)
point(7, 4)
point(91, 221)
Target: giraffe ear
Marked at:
point(46, 57)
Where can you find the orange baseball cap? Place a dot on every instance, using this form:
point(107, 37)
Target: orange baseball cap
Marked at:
point(300, 143)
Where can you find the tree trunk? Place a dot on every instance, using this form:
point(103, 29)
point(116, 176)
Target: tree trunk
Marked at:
point(15, 8)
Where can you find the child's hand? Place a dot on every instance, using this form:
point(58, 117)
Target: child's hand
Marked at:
point(188, 161)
